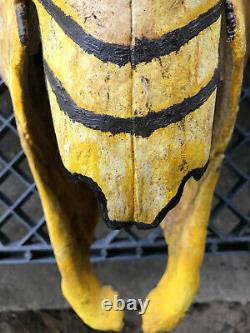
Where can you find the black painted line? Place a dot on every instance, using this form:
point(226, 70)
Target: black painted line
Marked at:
point(139, 126)
point(144, 50)
point(106, 52)
point(114, 224)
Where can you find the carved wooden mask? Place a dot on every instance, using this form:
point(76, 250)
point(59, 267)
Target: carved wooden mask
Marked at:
point(141, 99)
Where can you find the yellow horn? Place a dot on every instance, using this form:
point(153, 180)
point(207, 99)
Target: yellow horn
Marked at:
point(70, 208)
point(185, 227)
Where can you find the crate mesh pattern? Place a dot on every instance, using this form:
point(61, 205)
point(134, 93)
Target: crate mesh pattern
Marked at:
point(23, 233)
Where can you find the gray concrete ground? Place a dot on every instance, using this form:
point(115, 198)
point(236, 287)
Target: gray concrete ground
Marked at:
point(34, 287)
point(206, 318)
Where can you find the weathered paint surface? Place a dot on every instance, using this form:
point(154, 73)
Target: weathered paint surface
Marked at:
point(139, 174)
point(140, 169)
point(186, 226)
point(70, 209)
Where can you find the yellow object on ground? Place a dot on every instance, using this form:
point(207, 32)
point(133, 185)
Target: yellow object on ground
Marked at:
point(185, 227)
point(141, 99)
point(70, 208)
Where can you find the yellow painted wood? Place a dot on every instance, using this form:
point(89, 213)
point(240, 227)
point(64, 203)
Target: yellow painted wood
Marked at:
point(185, 232)
point(185, 228)
point(88, 153)
point(106, 20)
point(130, 179)
point(158, 85)
point(96, 86)
point(102, 88)
point(164, 16)
point(138, 176)
point(70, 209)
point(156, 181)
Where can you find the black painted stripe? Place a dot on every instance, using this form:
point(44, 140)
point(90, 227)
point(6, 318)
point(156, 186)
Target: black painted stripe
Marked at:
point(140, 126)
point(114, 224)
point(144, 50)
point(106, 52)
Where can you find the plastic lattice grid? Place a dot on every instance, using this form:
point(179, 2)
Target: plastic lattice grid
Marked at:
point(23, 232)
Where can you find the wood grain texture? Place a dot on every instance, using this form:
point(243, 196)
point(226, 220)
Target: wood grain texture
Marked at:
point(70, 209)
point(130, 179)
point(108, 20)
point(186, 226)
point(136, 176)
point(153, 18)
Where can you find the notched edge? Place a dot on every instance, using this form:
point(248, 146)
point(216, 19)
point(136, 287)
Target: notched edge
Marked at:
point(113, 224)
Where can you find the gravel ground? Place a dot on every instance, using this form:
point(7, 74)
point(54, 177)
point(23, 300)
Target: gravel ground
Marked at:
point(203, 318)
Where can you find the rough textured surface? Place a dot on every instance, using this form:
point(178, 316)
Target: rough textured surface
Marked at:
point(137, 186)
point(130, 179)
point(23, 74)
point(19, 284)
point(185, 226)
point(203, 318)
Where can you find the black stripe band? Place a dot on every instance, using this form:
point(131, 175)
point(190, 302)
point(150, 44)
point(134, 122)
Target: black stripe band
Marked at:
point(139, 126)
point(144, 50)
point(114, 224)
point(106, 52)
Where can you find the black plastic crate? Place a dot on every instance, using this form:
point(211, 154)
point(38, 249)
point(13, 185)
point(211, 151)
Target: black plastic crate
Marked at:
point(23, 232)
